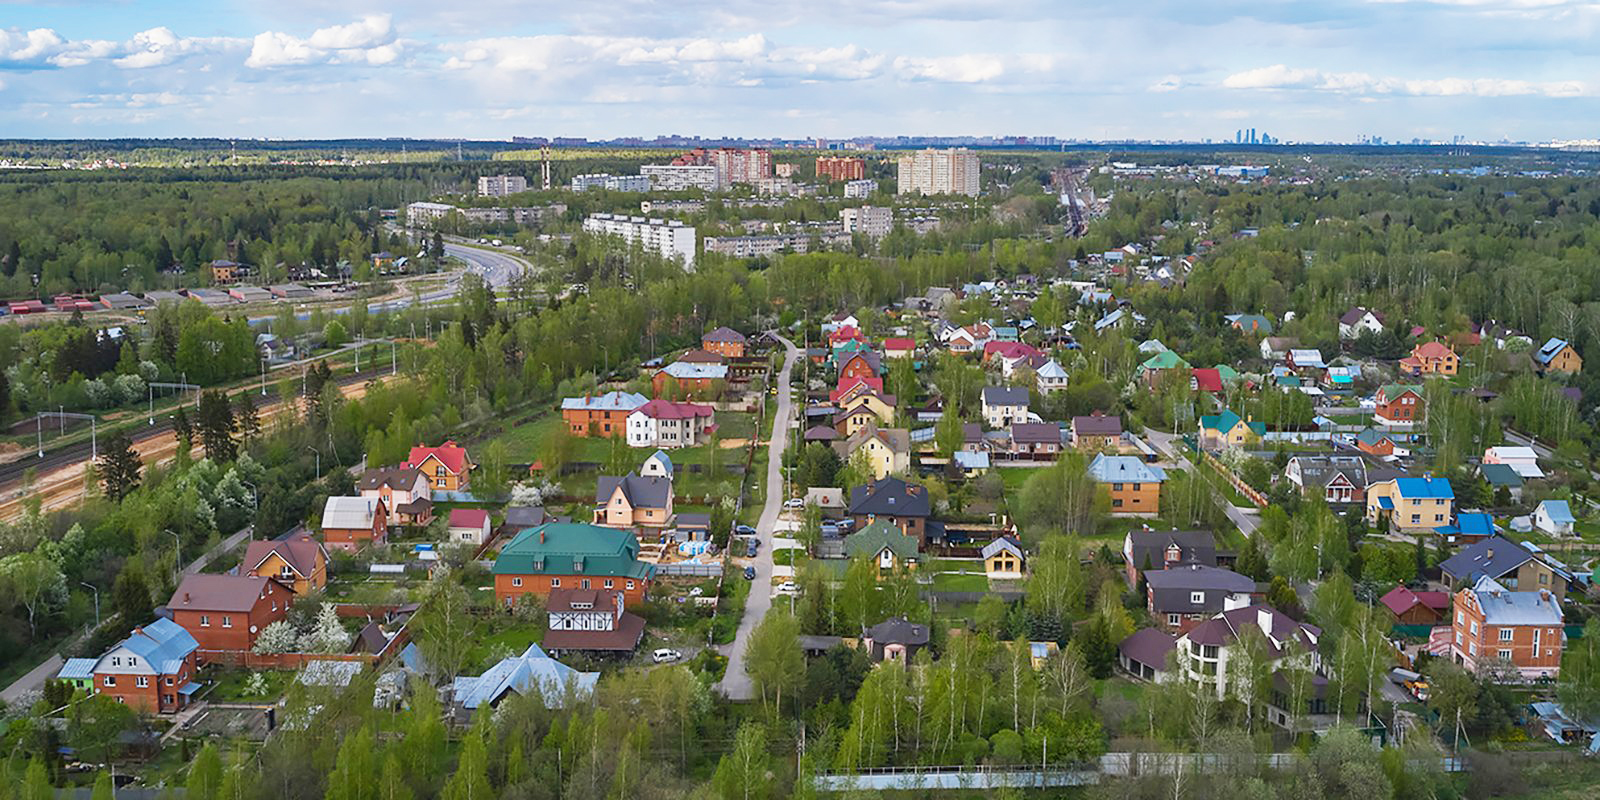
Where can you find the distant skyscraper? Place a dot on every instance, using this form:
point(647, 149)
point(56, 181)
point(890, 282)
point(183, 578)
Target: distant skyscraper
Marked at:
point(930, 171)
point(1238, 136)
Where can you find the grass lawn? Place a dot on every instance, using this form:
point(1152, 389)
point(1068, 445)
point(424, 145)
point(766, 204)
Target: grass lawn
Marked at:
point(952, 582)
point(523, 442)
point(1013, 479)
point(231, 685)
point(790, 557)
point(498, 637)
point(1119, 686)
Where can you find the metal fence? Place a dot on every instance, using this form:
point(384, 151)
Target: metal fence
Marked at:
point(688, 570)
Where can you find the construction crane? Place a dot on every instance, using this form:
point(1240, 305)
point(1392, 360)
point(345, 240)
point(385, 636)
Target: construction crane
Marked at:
point(544, 153)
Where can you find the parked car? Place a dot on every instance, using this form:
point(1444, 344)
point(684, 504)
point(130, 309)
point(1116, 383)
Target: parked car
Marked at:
point(830, 530)
point(664, 655)
point(787, 588)
point(749, 573)
point(744, 530)
point(794, 502)
point(750, 550)
point(846, 525)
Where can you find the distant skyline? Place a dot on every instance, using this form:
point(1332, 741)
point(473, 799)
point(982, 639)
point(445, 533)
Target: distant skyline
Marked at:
point(1525, 70)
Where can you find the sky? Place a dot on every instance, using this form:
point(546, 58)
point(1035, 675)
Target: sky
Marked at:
point(1334, 70)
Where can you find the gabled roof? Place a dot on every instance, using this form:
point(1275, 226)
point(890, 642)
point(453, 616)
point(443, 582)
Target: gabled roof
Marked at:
point(1207, 380)
point(1557, 510)
point(1469, 523)
point(1171, 590)
point(667, 409)
point(899, 343)
point(873, 539)
point(469, 518)
point(1227, 421)
point(724, 334)
point(300, 552)
point(397, 477)
point(701, 357)
point(1371, 436)
point(1500, 475)
point(1124, 469)
point(1281, 630)
point(1148, 646)
point(1005, 396)
point(898, 440)
point(1097, 425)
point(1354, 315)
point(898, 630)
point(163, 644)
point(1432, 350)
point(1550, 350)
point(218, 593)
point(1491, 557)
point(683, 370)
point(1194, 547)
point(533, 671)
point(1400, 600)
point(452, 455)
point(572, 548)
point(1165, 359)
point(1391, 391)
point(610, 401)
point(890, 496)
point(640, 491)
point(1002, 544)
point(1035, 433)
point(1424, 488)
point(1307, 358)
point(349, 512)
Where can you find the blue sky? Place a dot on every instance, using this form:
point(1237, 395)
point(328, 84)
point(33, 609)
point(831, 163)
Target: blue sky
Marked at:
point(1486, 69)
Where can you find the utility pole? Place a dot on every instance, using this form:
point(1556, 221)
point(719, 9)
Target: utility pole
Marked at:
point(96, 603)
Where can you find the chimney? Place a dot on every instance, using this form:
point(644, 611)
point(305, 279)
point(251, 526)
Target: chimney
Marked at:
point(1264, 620)
point(541, 536)
point(185, 598)
point(1488, 554)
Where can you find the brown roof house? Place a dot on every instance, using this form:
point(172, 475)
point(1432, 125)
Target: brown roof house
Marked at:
point(404, 490)
point(633, 501)
point(895, 639)
point(228, 612)
point(299, 562)
point(590, 620)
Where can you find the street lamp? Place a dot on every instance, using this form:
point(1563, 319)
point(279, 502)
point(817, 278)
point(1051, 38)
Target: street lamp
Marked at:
point(319, 460)
point(96, 603)
point(177, 555)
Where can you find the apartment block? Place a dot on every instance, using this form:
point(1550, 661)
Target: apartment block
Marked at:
point(426, 214)
point(671, 238)
point(741, 166)
point(952, 171)
point(873, 221)
point(501, 185)
point(861, 188)
point(681, 177)
point(838, 168)
point(611, 183)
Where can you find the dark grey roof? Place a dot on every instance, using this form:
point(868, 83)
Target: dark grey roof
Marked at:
point(645, 492)
point(898, 630)
point(1317, 471)
point(1035, 433)
point(1195, 547)
point(890, 497)
point(526, 516)
point(1491, 557)
point(1171, 590)
point(695, 520)
point(1149, 646)
point(1004, 396)
point(1097, 425)
point(398, 477)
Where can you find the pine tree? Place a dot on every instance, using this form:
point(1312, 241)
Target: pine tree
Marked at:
point(436, 247)
point(13, 258)
point(120, 466)
point(130, 594)
point(217, 427)
point(244, 413)
point(181, 426)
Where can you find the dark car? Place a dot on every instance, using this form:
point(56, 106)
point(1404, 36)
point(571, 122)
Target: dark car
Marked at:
point(749, 573)
point(750, 549)
point(744, 530)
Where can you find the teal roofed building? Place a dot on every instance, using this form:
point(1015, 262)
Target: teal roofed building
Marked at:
point(571, 555)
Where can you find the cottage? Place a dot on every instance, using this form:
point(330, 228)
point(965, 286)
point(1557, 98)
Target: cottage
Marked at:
point(633, 501)
point(1336, 479)
point(1097, 433)
point(531, 672)
point(658, 465)
point(1158, 366)
point(351, 523)
point(446, 466)
point(1204, 652)
point(887, 450)
point(404, 489)
point(1250, 323)
point(1416, 608)
point(587, 620)
point(1133, 486)
point(1377, 443)
point(1554, 517)
point(1522, 459)
point(1051, 377)
point(227, 612)
point(1398, 406)
point(570, 555)
point(1003, 559)
point(1229, 430)
point(1358, 321)
point(1144, 654)
point(885, 544)
point(1004, 405)
point(667, 424)
point(1035, 441)
point(897, 640)
point(1558, 355)
point(151, 671)
point(1181, 597)
point(899, 348)
point(1431, 358)
point(1276, 348)
point(1502, 477)
point(603, 416)
point(1410, 505)
point(298, 561)
point(904, 505)
point(1514, 566)
point(682, 379)
point(468, 526)
point(724, 341)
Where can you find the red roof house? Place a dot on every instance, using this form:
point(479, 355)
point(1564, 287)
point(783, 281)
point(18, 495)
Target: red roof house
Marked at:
point(1207, 379)
point(1416, 608)
point(444, 466)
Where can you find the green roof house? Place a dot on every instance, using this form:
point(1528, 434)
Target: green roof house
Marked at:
point(571, 555)
point(884, 543)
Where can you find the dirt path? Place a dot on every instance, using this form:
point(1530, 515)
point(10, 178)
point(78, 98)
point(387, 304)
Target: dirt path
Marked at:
point(60, 488)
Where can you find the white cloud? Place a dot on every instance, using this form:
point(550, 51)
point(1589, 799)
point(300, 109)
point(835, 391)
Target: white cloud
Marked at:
point(31, 47)
point(951, 69)
point(371, 40)
point(1279, 76)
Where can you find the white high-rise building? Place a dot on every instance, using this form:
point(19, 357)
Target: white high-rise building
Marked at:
point(953, 171)
point(671, 238)
point(873, 221)
point(615, 183)
point(678, 177)
point(862, 188)
point(501, 185)
point(425, 214)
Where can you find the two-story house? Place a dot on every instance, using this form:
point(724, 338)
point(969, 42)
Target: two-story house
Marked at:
point(860, 364)
point(1337, 479)
point(1182, 597)
point(446, 466)
point(683, 379)
point(901, 504)
point(724, 341)
point(1492, 625)
point(888, 450)
point(151, 671)
point(1358, 321)
point(1410, 505)
point(590, 621)
point(1558, 355)
point(667, 424)
point(1052, 377)
point(633, 501)
point(1398, 406)
point(1229, 430)
point(404, 490)
point(228, 612)
point(299, 562)
point(570, 555)
point(1144, 551)
point(1431, 358)
point(885, 544)
point(1516, 566)
point(604, 416)
point(1133, 486)
point(1035, 441)
point(1205, 652)
point(1003, 405)
point(1097, 432)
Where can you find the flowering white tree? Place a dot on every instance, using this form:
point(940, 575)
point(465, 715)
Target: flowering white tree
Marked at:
point(279, 637)
point(329, 635)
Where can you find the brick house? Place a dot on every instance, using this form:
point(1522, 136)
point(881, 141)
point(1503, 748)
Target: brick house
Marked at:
point(228, 612)
point(1166, 550)
point(605, 415)
point(405, 491)
point(1431, 358)
point(1398, 405)
point(570, 555)
point(1133, 486)
point(151, 671)
point(1493, 625)
point(904, 505)
point(724, 341)
point(351, 523)
point(1183, 596)
point(681, 379)
point(860, 364)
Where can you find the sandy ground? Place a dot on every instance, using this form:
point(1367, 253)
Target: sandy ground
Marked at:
point(63, 486)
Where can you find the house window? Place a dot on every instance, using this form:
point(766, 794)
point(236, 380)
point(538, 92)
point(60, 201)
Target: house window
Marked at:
point(169, 680)
point(608, 583)
point(227, 621)
point(1172, 619)
point(1472, 648)
point(1116, 487)
point(517, 582)
point(1197, 597)
point(116, 661)
point(583, 583)
point(555, 583)
point(630, 584)
point(111, 680)
point(143, 682)
point(1543, 578)
point(1505, 634)
point(1474, 627)
point(1505, 655)
point(205, 620)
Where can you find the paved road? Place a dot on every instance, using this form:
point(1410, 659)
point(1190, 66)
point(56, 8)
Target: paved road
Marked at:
point(736, 685)
point(1247, 519)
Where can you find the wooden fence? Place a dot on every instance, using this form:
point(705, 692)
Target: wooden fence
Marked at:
point(1235, 481)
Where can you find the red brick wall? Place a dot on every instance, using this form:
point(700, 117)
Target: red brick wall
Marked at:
point(505, 591)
